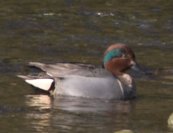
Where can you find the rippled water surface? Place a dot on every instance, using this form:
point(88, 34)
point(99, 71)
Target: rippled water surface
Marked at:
point(79, 31)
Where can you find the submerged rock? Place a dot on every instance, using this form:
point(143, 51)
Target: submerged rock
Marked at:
point(124, 131)
point(170, 121)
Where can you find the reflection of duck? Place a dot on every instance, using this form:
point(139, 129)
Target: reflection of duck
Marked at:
point(82, 80)
point(40, 101)
point(66, 114)
point(40, 119)
point(85, 105)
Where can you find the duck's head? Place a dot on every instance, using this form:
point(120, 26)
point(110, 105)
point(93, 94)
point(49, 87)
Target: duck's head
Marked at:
point(118, 58)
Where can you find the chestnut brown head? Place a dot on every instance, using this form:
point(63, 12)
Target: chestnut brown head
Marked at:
point(118, 58)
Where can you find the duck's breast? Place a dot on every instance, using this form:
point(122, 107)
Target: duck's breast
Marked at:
point(90, 87)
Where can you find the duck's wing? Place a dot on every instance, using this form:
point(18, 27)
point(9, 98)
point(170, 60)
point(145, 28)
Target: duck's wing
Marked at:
point(45, 80)
point(64, 69)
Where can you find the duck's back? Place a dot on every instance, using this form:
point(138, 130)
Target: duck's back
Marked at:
point(65, 69)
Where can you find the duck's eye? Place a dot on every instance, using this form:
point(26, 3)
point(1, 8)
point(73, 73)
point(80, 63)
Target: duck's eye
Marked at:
point(125, 56)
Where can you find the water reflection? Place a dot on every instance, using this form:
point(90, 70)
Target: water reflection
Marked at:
point(40, 114)
point(92, 115)
point(74, 104)
point(78, 114)
point(40, 101)
point(83, 105)
point(40, 122)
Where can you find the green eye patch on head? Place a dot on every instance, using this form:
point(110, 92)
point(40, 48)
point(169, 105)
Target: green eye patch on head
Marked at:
point(112, 54)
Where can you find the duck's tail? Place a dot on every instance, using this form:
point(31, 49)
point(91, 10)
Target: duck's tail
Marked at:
point(45, 84)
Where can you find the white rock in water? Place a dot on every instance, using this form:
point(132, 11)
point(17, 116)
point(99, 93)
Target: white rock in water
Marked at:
point(170, 121)
point(124, 131)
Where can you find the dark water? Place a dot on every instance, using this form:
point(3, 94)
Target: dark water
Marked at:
point(79, 31)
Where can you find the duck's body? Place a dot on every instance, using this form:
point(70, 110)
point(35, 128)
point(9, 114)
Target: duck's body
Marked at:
point(83, 80)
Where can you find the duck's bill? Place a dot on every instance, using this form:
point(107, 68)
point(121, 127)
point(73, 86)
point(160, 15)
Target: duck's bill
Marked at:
point(137, 69)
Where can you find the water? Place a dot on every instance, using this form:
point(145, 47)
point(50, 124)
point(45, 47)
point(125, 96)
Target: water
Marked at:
point(73, 31)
